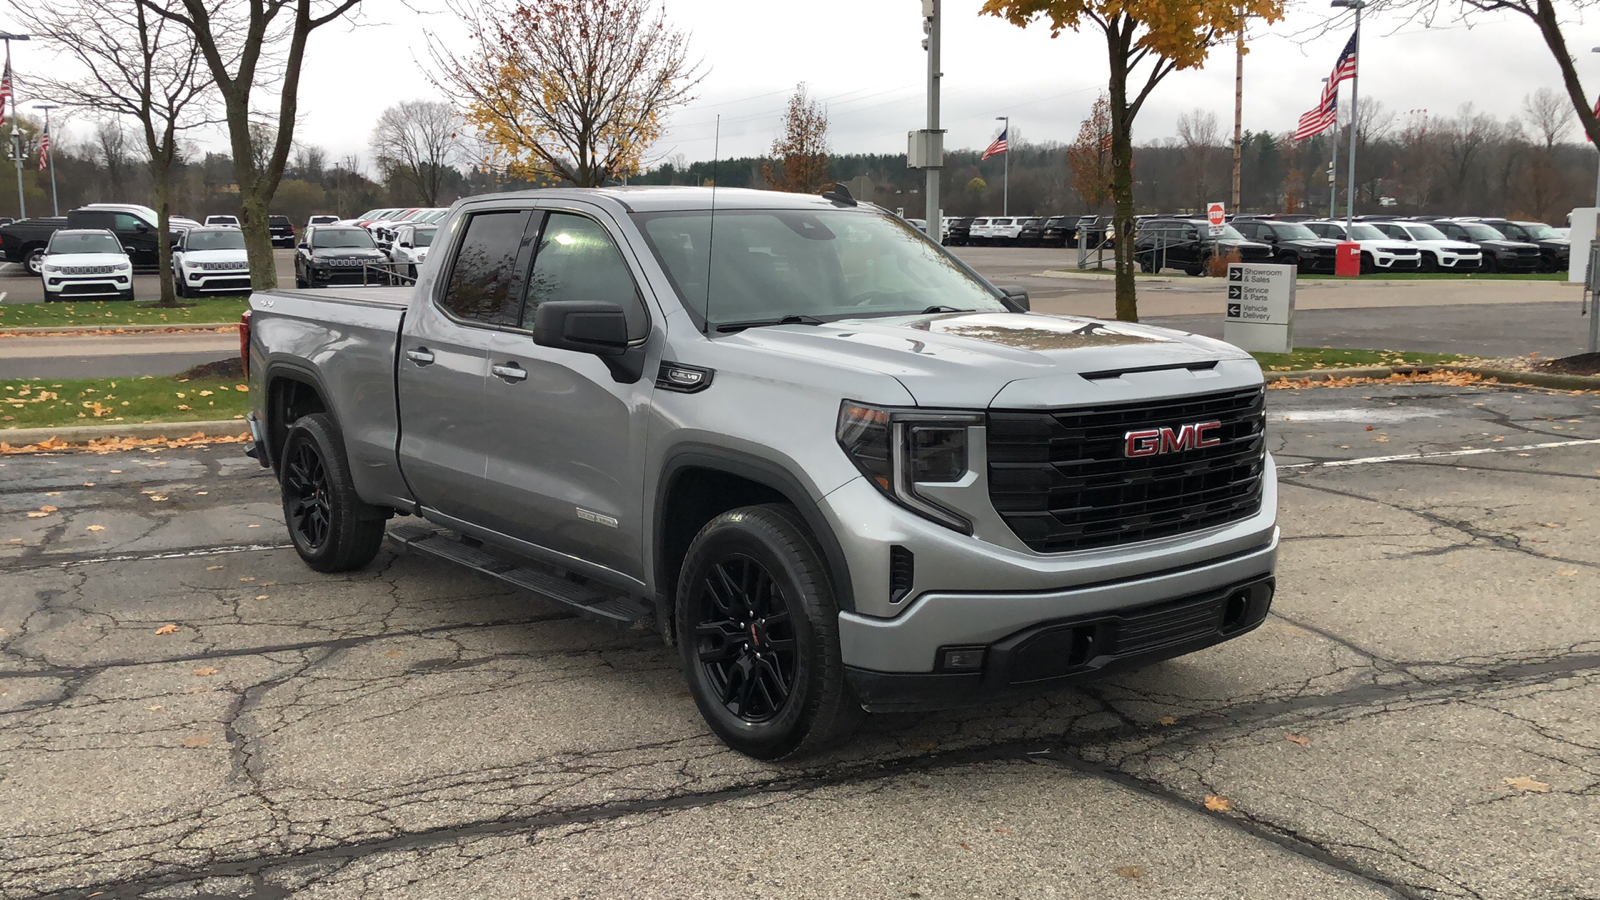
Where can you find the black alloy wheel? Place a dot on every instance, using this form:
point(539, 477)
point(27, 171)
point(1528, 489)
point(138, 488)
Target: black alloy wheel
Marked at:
point(758, 629)
point(306, 496)
point(745, 638)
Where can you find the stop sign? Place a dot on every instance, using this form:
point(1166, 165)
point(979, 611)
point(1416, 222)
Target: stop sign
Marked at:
point(1215, 214)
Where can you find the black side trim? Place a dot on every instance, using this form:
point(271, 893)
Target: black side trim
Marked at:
point(680, 378)
point(762, 472)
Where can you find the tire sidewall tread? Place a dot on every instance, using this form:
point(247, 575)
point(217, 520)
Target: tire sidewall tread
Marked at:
point(356, 532)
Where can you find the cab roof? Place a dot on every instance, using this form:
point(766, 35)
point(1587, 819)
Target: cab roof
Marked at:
point(673, 198)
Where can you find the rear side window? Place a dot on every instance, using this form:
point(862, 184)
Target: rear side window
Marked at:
point(577, 260)
point(481, 286)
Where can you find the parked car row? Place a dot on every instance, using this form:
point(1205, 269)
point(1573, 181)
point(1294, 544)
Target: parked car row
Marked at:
point(1022, 231)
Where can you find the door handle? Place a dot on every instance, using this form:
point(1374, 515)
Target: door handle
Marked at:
point(422, 356)
point(510, 372)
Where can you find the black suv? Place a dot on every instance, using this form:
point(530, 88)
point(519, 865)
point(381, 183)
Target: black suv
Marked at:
point(1187, 244)
point(1060, 231)
point(1292, 244)
point(958, 231)
point(1555, 251)
point(282, 231)
point(1499, 253)
point(1032, 233)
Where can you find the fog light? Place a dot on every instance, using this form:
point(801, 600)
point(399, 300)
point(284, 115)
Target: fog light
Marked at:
point(960, 659)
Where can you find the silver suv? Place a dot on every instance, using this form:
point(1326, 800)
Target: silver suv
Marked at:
point(840, 469)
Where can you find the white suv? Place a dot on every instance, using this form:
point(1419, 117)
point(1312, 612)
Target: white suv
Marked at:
point(409, 249)
point(228, 221)
point(211, 259)
point(1379, 252)
point(1439, 253)
point(980, 230)
point(1006, 229)
point(88, 263)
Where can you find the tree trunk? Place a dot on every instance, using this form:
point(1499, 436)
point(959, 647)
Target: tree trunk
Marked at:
point(162, 176)
point(257, 240)
point(1122, 175)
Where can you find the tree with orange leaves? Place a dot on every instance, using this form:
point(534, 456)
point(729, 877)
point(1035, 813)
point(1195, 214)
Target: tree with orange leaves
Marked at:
point(1146, 40)
point(801, 151)
point(568, 90)
point(1090, 157)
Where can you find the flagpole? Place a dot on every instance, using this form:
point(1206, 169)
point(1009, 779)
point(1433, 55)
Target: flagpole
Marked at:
point(1333, 167)
point(1350, 187)
point(55, 203)
point(1005, 176)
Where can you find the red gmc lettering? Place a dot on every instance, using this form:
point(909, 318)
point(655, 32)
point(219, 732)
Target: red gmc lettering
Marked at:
point(1153, 441)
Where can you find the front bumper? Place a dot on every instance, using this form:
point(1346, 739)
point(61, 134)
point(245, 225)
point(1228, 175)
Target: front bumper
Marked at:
point(1054, 653)
point(93, 286)
point(207, 281)
point(1459, 261)
point(373, 275)
point(1393, 263)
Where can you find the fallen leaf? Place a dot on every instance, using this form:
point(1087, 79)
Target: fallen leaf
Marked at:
point(213, 568)
point(88, 484)
point(203, 672)
point(157, 708)
point(394, 653)
point(252, 526)
point(261, 596)
point(1166, 720)
point(197, 740)
point(248, 578)
point(37, 515)
point(1499, 438)
point(96, 528)
point(1297, 739)
point(1527, 785)
point(1369, 427)
point(1567, 573)
point(1002, 831)
point(1552, 524)
point(964, 846)
point(157, 497)
point(1218, 804)
point(1130, 872)
point(168, 628)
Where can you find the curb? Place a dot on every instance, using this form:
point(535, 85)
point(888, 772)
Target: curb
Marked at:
point(1081, 275)
point(115, 329)
point(82, 434)
point(1504, 376)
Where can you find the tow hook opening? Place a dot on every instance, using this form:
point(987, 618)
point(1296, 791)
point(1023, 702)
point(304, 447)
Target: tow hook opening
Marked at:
point(1246, 607)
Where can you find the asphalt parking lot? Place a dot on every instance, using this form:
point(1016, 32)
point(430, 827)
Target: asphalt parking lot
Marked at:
point(187, 711)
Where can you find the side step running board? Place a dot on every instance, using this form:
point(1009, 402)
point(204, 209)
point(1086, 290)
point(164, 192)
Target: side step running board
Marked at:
point(587, 600)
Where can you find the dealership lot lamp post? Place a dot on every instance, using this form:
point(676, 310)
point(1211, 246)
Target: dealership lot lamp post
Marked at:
point(1350, 206)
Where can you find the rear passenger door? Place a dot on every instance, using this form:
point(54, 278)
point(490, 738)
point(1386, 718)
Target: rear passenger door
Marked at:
point(566, 455)
point(444, 362)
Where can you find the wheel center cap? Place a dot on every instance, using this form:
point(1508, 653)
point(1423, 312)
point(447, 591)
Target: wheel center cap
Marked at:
point(754, 638)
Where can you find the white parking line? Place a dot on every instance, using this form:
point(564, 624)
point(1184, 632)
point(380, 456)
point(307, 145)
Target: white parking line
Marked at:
point(225, 549)
point(1444, 454)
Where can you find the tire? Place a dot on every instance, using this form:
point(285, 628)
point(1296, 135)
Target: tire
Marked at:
point(1291, 259)
point(126, 296)
point(1367, 265)
point(177, 284)
point(298, 281)
point(737, 559)
point(33, 261)
point(1147, 264)
point(1489, 264)
point(332, 529)
point(1430, 262)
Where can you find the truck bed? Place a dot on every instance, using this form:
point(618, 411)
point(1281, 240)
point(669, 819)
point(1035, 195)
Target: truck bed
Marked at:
point(345, 339)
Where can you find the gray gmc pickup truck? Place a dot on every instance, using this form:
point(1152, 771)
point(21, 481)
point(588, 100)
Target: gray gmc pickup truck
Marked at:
point(839, 469)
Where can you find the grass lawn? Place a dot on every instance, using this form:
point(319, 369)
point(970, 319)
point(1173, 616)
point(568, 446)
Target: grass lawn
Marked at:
point(205, 311)
point(1444, 276)
point(1324, 358)
point(59, 402)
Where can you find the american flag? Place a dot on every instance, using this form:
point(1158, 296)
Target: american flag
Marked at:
point(1345, 69)
point(999, 145)
point(44, 148)
point(1324, 117)
point(5, 90)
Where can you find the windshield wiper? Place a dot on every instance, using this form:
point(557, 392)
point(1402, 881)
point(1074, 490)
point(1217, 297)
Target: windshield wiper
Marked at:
point(758, 323)
point(936, 308)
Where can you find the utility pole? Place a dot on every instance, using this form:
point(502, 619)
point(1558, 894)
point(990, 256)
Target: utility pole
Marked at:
point(926, 147)
point(55, 203)
point(1238, 111)
point(1005, 170)
point(16, 136)
point(1355, 119)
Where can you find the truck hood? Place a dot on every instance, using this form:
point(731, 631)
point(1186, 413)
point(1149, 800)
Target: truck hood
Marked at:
point(963, 360)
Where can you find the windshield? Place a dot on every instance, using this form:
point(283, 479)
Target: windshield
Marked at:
point(1229, 233)
point(1540, 231)
point(92, 242)
point(1425, 233)
point(1290, 231)
point(423, 237)
point(215, 240)
point(767, 265)
point(347, 238)
point(1366, 233)
point(1480, 232)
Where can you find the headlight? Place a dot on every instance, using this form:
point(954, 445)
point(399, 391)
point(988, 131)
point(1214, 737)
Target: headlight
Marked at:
point(50, 268)
point(898, 449)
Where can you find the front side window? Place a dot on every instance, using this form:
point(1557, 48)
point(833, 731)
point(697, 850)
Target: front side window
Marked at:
point(765, 265)
point(577, 260)
point(1291, 231)
point(423, 237)
point(1481, 232)
point(485, 268)
point(125, 222)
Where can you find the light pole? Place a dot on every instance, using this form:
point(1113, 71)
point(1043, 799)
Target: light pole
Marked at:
point(1333, 167)
point(16, 137)
point(55, 203)
point(1005, 177)
point(1597, 146)
point(934, 217)
point(1350, 205)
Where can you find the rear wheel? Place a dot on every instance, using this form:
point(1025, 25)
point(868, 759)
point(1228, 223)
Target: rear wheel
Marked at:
point(758, 627)
point(332, 529)
point(33, 261)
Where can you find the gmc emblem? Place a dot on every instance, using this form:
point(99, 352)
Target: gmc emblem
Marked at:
point(1155, 441)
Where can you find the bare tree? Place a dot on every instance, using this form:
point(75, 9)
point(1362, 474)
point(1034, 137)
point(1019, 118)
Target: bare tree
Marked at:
point(1200, 145)
point(568, 89)
point(111, 144)
point(1548, 114)
point(137, 66)
point(804, 162)
point(416, 141)
point(241, 42)
point(310, 163)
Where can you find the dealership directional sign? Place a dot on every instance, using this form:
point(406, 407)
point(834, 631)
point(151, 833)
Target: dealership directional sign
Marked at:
point(1260, 307)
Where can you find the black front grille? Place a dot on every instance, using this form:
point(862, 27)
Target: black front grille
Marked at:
point(1062, 480)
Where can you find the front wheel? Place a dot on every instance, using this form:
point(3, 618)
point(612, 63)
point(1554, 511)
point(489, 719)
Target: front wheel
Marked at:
point(332, 529)
point(1490, 263)
point(1367, 265)
point(1291, 259)
point(33, 261)
point(1430, 262)
point(758, 626)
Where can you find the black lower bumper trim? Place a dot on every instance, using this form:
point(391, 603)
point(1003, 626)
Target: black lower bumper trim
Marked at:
point(1053, 654)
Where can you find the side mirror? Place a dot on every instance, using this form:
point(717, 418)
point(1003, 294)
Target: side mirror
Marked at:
point(1016, 296)
point(302, 246)
point(406, 245)
point(581, 326)
point(141, 228)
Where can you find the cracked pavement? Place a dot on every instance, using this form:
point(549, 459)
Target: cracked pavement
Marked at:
point(187, 711)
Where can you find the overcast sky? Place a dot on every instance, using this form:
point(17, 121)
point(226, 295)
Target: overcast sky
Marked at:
point(865, 61)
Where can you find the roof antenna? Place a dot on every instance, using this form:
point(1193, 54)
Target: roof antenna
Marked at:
point(711, 229)
point(840, 195)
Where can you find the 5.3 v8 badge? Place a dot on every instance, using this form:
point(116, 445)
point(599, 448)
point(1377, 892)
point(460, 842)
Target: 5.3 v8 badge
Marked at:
point(1156, 441)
